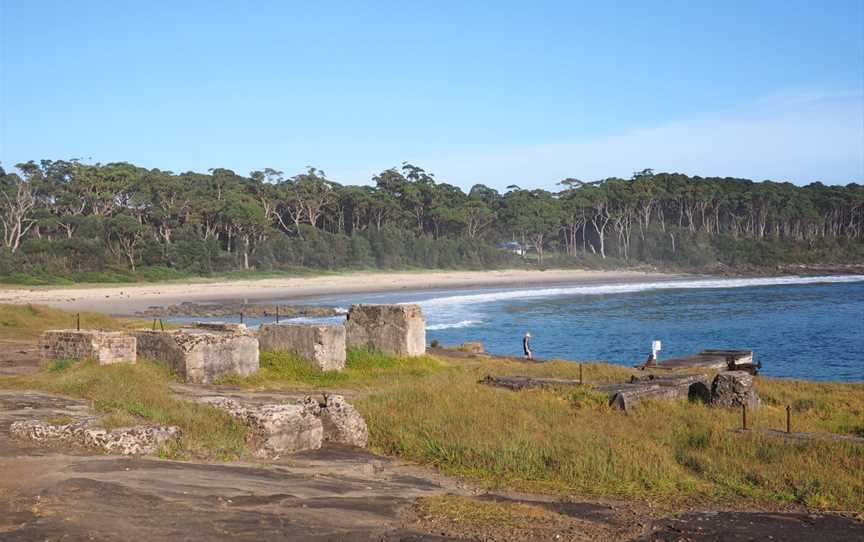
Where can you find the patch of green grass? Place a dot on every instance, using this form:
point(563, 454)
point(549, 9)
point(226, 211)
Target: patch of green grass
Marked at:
point(59, 365)
point(362, 368)
point(140, 392)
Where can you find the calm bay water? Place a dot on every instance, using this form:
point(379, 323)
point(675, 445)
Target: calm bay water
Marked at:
point(801, 327)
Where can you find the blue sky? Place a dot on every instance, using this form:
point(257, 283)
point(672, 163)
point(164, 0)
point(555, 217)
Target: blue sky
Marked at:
point(494, 92)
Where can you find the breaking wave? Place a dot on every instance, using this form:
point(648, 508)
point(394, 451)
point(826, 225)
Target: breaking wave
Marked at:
point(463, 323)
point(605, 289)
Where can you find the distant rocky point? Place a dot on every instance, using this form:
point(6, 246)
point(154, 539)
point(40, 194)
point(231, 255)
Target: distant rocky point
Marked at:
point(233, 309)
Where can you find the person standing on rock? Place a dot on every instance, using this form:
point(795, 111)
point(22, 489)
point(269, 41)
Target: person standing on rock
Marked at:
point(526, 346)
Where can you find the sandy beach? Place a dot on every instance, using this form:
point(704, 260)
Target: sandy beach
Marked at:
point(128, 299)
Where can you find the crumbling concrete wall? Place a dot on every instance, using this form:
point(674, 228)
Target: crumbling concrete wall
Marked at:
point(202, 355)
point(134, 440)
point(281, 428)
point(322, 346)
point(393, 329)
point(342, 423)
point(106, 347)
point(734, 389)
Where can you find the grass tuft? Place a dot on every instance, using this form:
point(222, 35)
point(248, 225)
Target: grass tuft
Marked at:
point(362, 368)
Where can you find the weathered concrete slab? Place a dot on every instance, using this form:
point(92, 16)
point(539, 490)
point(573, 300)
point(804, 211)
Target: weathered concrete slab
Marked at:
point(342, 423)
point(106, 347)
point(393, 329)
point(203, 353)
point(734, 389)
point(283, 428)
point(322, 346)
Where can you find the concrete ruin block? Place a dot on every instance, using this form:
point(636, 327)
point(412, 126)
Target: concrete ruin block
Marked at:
point(203, 353)
point(393, 329)
point(342, 423)
point(734, 389)
point(283, 428)
point(106, 347)
point(322, 346)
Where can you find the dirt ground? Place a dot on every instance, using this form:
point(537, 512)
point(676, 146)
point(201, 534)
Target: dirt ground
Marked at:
point(330, 494)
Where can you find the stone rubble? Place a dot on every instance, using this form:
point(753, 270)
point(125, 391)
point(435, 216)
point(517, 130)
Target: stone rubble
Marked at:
point(291, 428)
point(138, 440)
point(283, 428)
point(342, 423)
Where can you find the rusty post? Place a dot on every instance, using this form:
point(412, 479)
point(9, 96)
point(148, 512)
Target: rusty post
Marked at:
point(580, 374)
point(744, 416)
point(78, 321)
point(788, 419)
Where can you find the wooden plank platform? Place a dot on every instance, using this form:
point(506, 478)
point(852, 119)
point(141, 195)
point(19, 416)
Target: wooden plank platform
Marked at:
point(719, 360)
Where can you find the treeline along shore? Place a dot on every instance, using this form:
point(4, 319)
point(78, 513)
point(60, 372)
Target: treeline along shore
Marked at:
point(64, 220)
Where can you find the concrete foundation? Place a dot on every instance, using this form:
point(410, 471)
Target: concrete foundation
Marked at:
point(202, 353)
point(323, 347)
point(393, 329)
point(106, 347)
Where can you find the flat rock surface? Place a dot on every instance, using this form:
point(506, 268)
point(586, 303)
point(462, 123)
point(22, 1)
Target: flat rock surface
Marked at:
point(745, 526)
point(329, 494)
point(19, 358)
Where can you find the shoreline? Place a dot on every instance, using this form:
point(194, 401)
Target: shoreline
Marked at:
point(128, 299)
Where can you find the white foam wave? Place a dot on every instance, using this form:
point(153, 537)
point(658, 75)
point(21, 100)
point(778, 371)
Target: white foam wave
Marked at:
point(463, 323)
point(604, 289)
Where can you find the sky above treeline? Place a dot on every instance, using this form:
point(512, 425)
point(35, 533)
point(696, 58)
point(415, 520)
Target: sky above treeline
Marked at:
point(493, 92)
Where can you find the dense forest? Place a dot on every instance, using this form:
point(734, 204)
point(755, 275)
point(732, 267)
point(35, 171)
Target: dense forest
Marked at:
point(69, 220)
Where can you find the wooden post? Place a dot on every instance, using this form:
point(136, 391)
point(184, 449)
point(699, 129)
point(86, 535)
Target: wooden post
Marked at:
point(78, 321)
point(277, 314)
point(241, 317)
point(154, 324)
point(161, 325)
point(744, 416)
point(580, 374)
point(788, 419)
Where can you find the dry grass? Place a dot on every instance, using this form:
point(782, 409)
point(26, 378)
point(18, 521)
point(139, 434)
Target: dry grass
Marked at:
point(129, 394)
point(28, 322)
point(565, 441)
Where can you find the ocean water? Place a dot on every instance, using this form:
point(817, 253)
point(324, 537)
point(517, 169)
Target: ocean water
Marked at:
point(798, 327)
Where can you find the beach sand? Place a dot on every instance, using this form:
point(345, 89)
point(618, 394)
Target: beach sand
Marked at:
point(127, 299)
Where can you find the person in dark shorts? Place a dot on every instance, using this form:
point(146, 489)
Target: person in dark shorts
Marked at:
point(526, 346)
